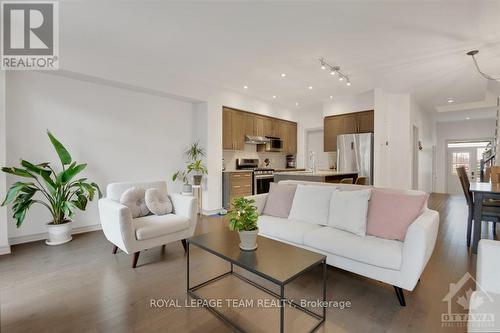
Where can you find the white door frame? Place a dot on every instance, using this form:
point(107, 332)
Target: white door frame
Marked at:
point(446, 155)
point(415, 161)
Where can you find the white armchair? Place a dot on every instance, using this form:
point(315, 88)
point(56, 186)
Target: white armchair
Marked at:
point(134, 235)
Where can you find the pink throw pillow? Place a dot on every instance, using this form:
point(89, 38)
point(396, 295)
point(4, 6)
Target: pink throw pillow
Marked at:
point(391, 213)
point(279, 200)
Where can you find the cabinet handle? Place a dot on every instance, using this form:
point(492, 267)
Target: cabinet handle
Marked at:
point(236, 186)
point(235, 176)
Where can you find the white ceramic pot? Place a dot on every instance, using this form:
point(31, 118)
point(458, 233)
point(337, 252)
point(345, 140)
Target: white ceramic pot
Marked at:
point(248, 240)
point(59, 233)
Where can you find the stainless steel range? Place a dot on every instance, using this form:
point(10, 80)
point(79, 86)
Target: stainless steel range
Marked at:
point(262, 177)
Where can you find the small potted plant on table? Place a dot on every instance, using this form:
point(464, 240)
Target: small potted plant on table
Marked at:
point(59, 192)
point(243, 218)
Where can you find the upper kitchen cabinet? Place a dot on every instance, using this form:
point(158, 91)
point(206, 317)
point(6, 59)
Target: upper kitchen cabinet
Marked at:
point(235, 125)
point(350, 123)
point(264, 126)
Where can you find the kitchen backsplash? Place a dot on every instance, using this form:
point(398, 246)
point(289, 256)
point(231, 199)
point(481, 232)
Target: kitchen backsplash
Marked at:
point(278, 160)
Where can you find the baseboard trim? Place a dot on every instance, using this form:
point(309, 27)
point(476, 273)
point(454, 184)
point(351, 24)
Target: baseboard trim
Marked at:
point(5, 250)
point(209, 212)
point(43, 235)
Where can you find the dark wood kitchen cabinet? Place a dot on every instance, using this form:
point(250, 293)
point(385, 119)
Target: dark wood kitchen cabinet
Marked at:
point(349, 123)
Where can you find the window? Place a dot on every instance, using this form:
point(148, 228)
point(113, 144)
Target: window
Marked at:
point(460, 159)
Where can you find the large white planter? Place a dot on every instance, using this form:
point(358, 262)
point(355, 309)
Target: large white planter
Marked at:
point(59, 233)
point(248, 240)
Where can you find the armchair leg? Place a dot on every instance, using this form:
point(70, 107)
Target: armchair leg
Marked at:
point(136, 257)
point(400, 295)
point(184, 244)
point(115, 248)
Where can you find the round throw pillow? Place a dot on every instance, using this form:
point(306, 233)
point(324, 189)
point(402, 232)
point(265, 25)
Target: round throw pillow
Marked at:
point(133, 198)
point(158, 203)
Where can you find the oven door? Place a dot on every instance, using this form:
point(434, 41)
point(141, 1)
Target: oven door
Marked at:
point(261, 183)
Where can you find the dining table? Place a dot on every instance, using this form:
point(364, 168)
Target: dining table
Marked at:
point(481, 192)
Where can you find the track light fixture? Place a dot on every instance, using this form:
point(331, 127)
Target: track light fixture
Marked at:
point(335, 70)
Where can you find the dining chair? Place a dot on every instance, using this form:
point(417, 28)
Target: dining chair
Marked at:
point(491, 210)
point(347, 180)
point(361, 180)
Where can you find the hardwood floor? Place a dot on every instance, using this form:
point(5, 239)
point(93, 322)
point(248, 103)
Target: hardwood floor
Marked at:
point(82, 287)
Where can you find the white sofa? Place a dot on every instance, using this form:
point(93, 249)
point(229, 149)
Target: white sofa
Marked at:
point(134, 235)
point(394, 262)
point(484, 308)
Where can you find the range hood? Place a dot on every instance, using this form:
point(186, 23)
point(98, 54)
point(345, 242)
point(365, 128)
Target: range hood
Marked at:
point(256, 140)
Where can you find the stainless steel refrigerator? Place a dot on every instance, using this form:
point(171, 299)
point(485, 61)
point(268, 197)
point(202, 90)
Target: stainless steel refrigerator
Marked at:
point(355, 153)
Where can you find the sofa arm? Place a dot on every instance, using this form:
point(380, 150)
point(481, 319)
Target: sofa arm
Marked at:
point(418, 247)
point(260, 201)
point(186, 206)
point(487, 272)
point(116, 221)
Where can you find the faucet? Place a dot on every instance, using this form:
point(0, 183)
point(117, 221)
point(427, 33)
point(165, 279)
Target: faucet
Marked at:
point(312, 161)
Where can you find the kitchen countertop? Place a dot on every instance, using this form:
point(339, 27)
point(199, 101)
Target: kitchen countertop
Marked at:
point(275, 170)
point(236, 170)
point(319, 173)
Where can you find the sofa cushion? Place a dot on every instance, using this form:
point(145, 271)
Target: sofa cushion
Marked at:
point(153, 226)
point(134, 199)
point(390, 213)
point(348, 211)
point(158, 202)
point(284, 229)
point(279, 200)
point(368, 249)
point(311, 204)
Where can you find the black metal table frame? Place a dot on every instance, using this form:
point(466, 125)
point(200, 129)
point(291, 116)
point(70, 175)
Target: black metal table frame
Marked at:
point(281, 296)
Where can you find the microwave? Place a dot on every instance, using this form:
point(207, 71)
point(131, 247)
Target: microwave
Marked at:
point(274, 144)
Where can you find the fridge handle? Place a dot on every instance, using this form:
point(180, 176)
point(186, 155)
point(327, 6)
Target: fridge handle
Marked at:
point(352, 145)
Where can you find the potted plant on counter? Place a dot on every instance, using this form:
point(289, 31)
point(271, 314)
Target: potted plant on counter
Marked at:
point(243, 218)
point(59, 192)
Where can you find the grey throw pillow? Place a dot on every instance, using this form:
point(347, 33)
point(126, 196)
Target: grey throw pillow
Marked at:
point(279, 200)
point(158, 203)
point(133, 198)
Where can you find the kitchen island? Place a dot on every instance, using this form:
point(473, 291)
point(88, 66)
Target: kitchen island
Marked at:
point(324, 176)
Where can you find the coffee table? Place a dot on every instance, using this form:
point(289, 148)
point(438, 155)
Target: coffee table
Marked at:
point(274, 261)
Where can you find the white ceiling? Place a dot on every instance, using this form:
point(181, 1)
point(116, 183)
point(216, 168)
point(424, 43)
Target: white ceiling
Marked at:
point(402, 46)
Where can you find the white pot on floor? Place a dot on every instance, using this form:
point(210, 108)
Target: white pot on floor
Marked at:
point(59, 233)
point(248, 240)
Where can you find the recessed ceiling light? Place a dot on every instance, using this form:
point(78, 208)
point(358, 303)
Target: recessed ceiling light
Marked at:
point(332, 72)
point(323, 67)
point(245, 87)
point(274, 96)
point(348, 83)
point(283, 74)
point(331, 97)
point(310, 87)
point(450, 100)
point(467, 118)
point(341, 78)
point(296, 103)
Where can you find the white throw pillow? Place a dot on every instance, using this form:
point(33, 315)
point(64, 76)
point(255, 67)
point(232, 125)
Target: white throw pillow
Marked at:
point(158, 202)
point(134, 199)
point(311, 204)
point(349, 211)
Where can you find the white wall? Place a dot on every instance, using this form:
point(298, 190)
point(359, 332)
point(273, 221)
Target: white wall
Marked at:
point(121, 134)
point(347, 104)
point(458, 130)
point(310, 117)
point(4, 244)
point(426, 125)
